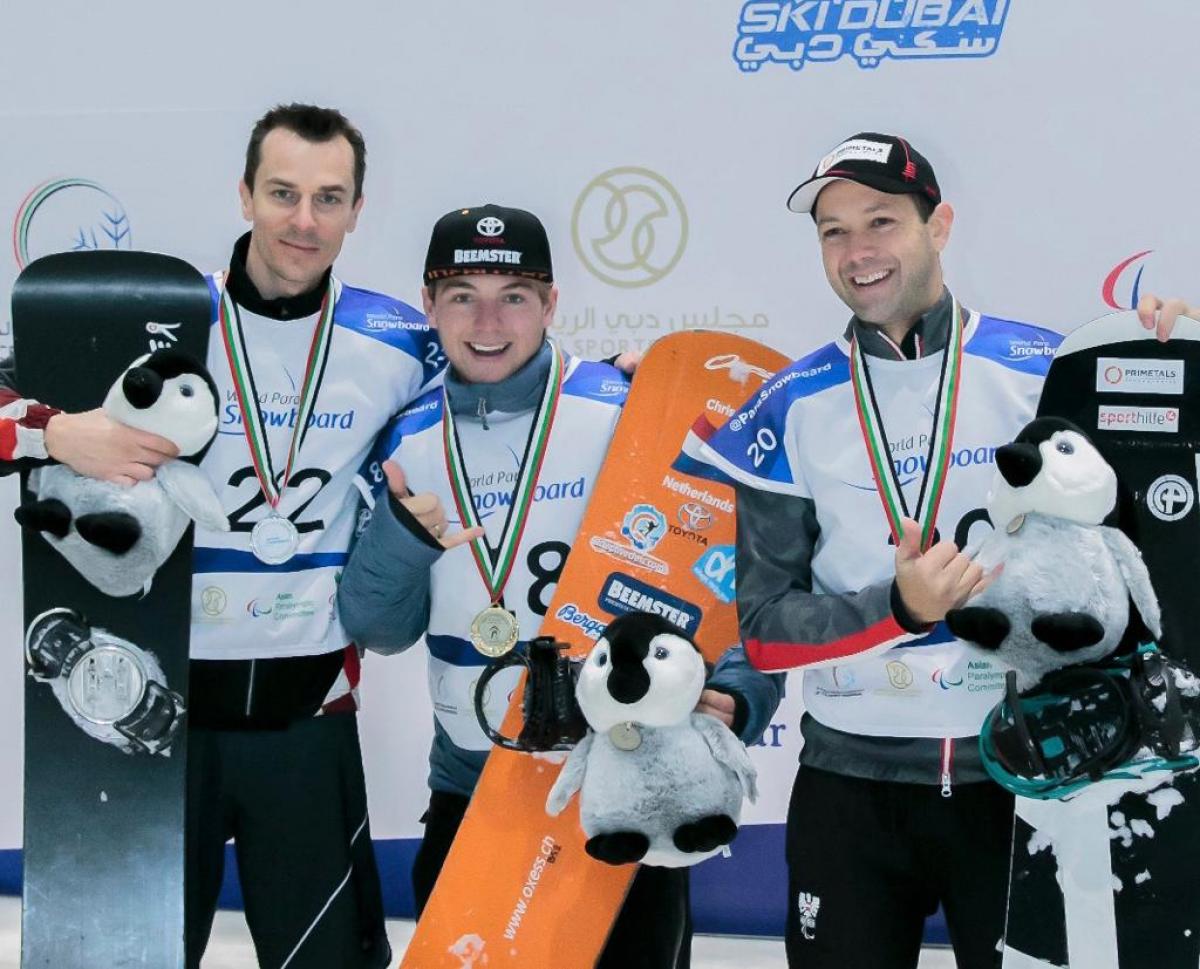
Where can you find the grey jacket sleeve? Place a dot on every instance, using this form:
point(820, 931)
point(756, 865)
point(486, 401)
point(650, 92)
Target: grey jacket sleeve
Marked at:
point(383, 597)
point(756, 695)
point(783, 623)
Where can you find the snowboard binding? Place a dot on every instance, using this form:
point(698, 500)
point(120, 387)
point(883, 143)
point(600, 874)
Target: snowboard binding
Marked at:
point(113, 690)
point(1127, 717)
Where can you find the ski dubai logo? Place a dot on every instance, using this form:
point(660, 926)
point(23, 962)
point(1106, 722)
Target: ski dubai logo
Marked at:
point(1125, 277)
point(629, 227)
point(797, 32)
point(69, 214)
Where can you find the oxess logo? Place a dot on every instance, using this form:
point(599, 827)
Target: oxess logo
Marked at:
point(629, 227)
point(1125, 277)
point(795, 32)
point(68, 214)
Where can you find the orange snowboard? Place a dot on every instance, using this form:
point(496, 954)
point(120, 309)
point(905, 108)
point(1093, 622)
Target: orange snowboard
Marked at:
point(517, 889)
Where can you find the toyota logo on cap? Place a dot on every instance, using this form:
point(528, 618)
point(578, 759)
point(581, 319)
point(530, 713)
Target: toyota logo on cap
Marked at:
point(490, 226)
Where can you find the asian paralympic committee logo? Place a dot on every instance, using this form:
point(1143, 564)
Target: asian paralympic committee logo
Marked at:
point(629, 227)
point(69, 214)
point(795, 32)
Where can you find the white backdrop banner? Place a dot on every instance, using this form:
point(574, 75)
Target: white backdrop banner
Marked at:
point(658, 141)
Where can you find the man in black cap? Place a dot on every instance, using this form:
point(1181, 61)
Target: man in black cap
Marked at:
point(873, 456)
point(516, 417)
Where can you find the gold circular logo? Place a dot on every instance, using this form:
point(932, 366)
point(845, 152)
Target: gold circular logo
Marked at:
point(899, 675)
point(629, 227)
point(213, 600)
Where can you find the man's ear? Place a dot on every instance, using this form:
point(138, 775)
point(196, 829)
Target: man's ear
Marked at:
point(247, 198)
point(940, 223)
point(427, 306)
point(355, 209)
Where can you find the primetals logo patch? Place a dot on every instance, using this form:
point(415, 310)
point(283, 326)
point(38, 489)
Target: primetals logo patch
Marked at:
point(629, 227)
point(798, 32)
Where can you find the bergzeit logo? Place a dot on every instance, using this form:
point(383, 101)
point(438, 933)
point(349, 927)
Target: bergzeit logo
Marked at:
point(796, 32)
point(68, 214)
point(1125, 276)
point(629, 227)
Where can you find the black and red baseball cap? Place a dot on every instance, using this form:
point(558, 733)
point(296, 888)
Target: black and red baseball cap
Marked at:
point(491, 239)
point(886, 163)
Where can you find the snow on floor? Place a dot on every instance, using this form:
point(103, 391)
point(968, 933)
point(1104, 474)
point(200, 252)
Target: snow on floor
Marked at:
point(230, 946)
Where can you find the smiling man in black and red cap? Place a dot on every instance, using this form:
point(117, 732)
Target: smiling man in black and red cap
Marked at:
point(861, 471)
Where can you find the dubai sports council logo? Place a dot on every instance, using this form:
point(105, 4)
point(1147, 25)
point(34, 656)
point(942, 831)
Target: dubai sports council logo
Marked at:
point(629, 227)
point(1126, 276)
point(68, 214)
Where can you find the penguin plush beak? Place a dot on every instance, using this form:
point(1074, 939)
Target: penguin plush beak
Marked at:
point(1019, 463)
point(142, 387)
point(629, 681)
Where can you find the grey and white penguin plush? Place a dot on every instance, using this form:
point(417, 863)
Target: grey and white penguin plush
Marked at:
point(1063, 594)
point(115, 536)
point(658, 783)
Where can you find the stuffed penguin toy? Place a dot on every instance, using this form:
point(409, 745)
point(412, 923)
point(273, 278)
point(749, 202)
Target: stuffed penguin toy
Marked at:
point(1063, 593)
point(117, 536)
point(659, 784)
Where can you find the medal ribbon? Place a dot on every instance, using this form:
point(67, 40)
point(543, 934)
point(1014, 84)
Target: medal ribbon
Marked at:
point(495, 565)
point(937, 461)
point(247, 395)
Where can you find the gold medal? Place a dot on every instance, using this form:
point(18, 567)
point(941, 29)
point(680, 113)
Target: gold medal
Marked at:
point(494, 631)
point(625, 736)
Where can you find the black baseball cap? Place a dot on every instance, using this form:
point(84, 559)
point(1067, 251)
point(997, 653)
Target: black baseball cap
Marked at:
point(882, 162)
point(489, 239)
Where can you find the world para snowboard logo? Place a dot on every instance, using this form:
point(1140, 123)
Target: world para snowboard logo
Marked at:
point(68, 214)
point(797, 32)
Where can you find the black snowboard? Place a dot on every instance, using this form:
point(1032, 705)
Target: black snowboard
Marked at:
point(1125, 895)
point(104, 820)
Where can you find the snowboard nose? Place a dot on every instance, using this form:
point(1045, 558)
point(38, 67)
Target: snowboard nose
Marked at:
point(142, 387)
point(1018, 463)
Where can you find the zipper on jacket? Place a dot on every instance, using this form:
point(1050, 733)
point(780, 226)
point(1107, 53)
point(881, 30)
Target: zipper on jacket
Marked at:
point(947, 762)
point(481, 412)
point(250, 687)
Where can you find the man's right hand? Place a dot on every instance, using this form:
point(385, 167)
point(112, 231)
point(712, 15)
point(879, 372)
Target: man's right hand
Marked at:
point(427, 509)
point(932, 583)
point(91, 443)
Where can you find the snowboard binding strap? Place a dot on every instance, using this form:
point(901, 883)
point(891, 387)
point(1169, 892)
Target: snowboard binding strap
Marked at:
point(1127, 717)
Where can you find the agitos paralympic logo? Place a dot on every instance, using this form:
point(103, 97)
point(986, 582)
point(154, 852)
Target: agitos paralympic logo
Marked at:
point(1125, 277)
point(68, 214)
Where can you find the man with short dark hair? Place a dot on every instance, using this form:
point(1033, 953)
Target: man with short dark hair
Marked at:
point(862, 471)
point(514, 411)
point(273, 749)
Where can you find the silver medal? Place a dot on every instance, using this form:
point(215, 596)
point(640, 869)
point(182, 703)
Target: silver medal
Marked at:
point(274, 540)
point(1014, 526)
point(625, 736)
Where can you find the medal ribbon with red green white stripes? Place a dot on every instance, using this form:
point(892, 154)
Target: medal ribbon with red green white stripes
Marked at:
point(937, 461)
point(496, 564)
point(247, 394)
